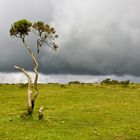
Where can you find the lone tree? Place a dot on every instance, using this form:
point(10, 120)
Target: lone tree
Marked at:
point(45, 35)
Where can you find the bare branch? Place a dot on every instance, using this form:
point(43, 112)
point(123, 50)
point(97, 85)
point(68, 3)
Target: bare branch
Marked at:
point(25, 72)
point(29, 86)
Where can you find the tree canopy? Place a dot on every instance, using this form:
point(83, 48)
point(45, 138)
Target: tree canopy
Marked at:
point(46, 34)
point(20, 28)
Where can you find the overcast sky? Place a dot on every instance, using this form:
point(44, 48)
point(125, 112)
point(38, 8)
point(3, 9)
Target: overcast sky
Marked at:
point(96, 37)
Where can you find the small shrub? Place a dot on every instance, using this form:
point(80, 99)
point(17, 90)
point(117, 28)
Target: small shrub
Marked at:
point(106, 81)
point(23, 85)
point(115, 82)
point(53, 84)
point(74, 82)
point(63, 86)
point(125, 83)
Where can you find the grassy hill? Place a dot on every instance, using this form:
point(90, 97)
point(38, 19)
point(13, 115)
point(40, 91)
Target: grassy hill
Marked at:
point(72, 112)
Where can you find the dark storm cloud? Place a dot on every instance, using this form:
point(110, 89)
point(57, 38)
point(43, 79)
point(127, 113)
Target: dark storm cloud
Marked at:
point(99, 37)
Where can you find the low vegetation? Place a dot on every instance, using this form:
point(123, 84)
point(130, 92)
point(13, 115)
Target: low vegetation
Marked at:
point(109, 81)
point(72, 112)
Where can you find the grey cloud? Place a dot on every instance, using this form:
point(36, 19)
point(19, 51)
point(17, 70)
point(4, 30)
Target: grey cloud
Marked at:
point(95, 37)
point(61, 78)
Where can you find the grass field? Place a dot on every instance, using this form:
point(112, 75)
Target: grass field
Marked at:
point(73, 112)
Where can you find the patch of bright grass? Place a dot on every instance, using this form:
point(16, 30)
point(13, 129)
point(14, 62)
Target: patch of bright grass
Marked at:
point(72, 112)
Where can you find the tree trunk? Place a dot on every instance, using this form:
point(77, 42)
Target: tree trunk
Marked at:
point(31, 99)
point(34, 57)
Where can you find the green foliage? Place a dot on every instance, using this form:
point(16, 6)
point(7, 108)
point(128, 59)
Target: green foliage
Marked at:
point(45, 33)
point(108, 81)
point(72, 113)
point(63, 86)
point(41, 27)
point(125, 83)
point(115, 82)
point(20, 28)
point(23, 85)
point(74, 82)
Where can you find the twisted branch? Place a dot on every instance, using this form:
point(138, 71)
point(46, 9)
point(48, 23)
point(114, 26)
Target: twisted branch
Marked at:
point(29, 85)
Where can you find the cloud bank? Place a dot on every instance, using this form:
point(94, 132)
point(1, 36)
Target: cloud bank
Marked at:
point(62, 79)
point(96, 37)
